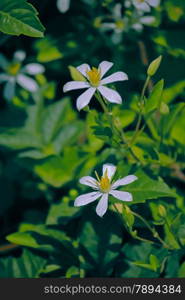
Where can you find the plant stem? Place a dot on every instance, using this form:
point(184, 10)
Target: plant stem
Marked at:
point(114, 126)
point(141, 106)
point(153, 231)
point(126, 227)
point(144, 88)
point(99, 98)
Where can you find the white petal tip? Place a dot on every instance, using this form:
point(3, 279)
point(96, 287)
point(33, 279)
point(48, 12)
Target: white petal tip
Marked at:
point(101, 216)
point(79, 108)
point(123, 76)
point(65, 88)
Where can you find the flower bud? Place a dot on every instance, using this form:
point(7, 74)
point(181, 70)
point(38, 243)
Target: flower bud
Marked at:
point(153, 67)
point(75, 74)
point(164, 108)
point(162, 211)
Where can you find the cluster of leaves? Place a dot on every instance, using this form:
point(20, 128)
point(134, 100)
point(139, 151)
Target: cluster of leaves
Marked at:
point(46, 146)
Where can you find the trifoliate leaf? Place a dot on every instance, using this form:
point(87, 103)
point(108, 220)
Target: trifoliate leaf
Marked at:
point(19, 17)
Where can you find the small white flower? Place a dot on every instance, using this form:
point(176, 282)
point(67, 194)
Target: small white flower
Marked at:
point(94, 82)
point(103, 188)
point(117, 24)
point(145, 5)
point(143, 20)
point(14, 73)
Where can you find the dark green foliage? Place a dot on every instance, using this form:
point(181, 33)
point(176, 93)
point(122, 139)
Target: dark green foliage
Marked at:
point(46, 145)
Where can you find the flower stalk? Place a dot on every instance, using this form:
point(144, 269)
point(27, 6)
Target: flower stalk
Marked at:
point(114, 126)
point(141, 107)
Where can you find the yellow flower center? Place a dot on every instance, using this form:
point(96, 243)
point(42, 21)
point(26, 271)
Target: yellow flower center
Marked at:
point(120, 24)
point(13, 68)
point(94, 76)
point(104, 183)
point(140, 1)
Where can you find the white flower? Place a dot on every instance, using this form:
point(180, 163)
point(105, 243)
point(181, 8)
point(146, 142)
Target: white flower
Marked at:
point(14, 73)
point(145, 5)
point(142, 20)
point(117, 25)
point(94, 82)
point(103, 188)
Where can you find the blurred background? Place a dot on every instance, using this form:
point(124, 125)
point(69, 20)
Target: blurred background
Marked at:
point(46, 145)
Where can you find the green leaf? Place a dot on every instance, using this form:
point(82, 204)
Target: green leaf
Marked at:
point(22, 238)
point(62, 213)
point(181, 272)
point(38, 237)
point(56, 170)
point(170, 120)
point(175, 9)
point(54, 117)
point(170, 93)
point(125, 117)
point(100, 243)
point(18, 139)
point(48, 241)
point(47, 50)
point(47, 130)
point(154, 100)
point(154, 262)
point(137, 260)
point(142, 265)
point(67, 135)
point(19, 17)
point(27, 265)
point(103, 133)
point(50, 268)
point(153, 265)
point(178, 129)
point(146, 188)
point(72, 272)
point(94, 143)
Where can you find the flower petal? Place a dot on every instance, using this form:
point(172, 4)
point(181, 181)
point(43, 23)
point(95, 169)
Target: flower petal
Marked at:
point(90, 181)
point(4, 77)
point(9, 89)
point(3, 62)
point(83, 69)
point(118, 76)
point(86, 198)
point(124, 196)
point(117, 10)
point(147, 20)
point(75, 85)
point(27, 83)
point(123, 181)
point(137, 26)
point(111, 95)
point(85, 98)
point(154, 3)
point(102, 206)
point(104, 66)
point(142, 6)
point(34, 69)
point(19, 55)
point(108, 26)
point(110, 168)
